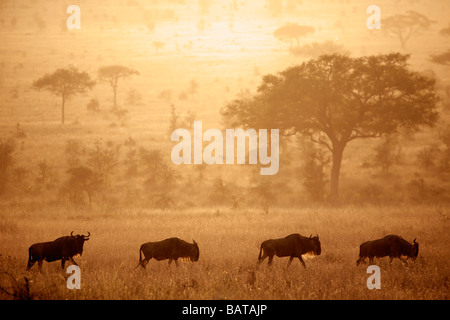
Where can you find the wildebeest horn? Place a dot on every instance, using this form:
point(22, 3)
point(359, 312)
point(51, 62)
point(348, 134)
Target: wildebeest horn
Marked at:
point(87, 235)
point(317, 236)
point(414, 240)
point(310, 236)
point(71, 234)
point(194, 241)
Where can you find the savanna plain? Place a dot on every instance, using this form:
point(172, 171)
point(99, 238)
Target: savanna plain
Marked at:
point(229, 245)
point(107, 168)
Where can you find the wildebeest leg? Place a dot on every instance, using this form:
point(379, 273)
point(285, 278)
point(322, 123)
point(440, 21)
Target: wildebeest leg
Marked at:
point(360, 260)
point(176, 262)
point(73, 261)
point(144, 263)
point(270, 260)
point(170, 261)
point(40, 265)
point(263, 257)
point(301, 260)
point(290, 260)
point(30, 264)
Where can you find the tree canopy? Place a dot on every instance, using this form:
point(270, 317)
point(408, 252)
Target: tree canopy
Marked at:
point(443, 58)
point(335, 99)
point(65, 83)
point(112, 74)
point(404, 26)
point(292, 31)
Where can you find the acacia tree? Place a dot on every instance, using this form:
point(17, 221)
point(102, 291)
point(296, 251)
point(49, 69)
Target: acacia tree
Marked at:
point(112, 74)
point(336, 99)
point(443, 58)
point(404, 26)
point(292, 31)
point(445, 32)
point(6, 161)
point(64, 83)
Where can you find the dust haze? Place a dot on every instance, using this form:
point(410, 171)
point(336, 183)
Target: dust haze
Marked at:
point(87, 115)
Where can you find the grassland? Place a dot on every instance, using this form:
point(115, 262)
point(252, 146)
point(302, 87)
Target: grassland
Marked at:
point(229, 246)
point(227, 58)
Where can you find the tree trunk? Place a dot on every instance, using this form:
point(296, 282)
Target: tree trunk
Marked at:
point(62, 109)
point(115, 96)
point(338, 150)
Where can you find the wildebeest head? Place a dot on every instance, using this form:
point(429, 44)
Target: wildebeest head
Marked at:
point(196, 252)
point(315, 243)
point(79, 241)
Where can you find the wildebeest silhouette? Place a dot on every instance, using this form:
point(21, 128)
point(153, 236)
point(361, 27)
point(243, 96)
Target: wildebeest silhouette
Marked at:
point(63, 248)
point(294, 245)
point(391, 245)
point(171, 248)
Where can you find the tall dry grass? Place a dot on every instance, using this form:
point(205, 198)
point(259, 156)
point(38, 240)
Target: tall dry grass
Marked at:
point(229, 246)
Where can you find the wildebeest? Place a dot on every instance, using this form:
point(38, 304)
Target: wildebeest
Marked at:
point(291, 246)
point(63, 248)
point(171, 248)
point(391, 245)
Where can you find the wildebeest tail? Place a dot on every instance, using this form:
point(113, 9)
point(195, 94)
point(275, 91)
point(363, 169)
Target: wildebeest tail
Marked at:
point(30, 258)
point(260, 251)
point(140, 257)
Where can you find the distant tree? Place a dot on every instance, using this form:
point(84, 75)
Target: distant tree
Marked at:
point(165, 95)
point(435, 158)
point(220, 194)
point(6, 161)
point(193, 87)
point(131, 159)
point(112, 74)
point(133, 97)
point(160, 177)
point(312, 171)
point(93, 105)
point(387, 153)
point(182, 96)
point(74, 151)
point(81, 183)
point(292, 31)
point(428, 157)
point(445, 32)
point(443, 58)
point(264, 192)
point(162, 201)
point(336, 99)
point(173, 122)
point(64, 83)
point(103, 158)
point(444, 164)
point(20, 133)
point(405, 26)
point(235, 200)
point(44, 172)
point(188, 119)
